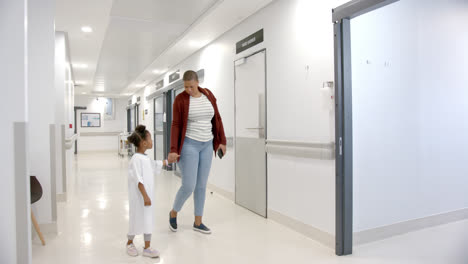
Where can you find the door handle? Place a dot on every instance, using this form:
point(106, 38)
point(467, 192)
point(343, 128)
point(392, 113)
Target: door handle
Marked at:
point(254, 128)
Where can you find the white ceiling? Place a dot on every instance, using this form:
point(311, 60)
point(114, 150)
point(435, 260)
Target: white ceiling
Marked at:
point(224, 16)
point(132, 38)
point(138, 32)
point(70, 16)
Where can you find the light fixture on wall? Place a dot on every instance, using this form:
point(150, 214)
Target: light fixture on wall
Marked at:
point(79, 83)
point(197, 44)
point(158, 71)
point(87, 238)
point(80, 66)
point(86, 29)
point(85, 213)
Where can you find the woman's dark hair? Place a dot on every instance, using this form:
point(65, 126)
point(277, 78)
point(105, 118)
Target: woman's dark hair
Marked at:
point(190, 76)
point(138, 136)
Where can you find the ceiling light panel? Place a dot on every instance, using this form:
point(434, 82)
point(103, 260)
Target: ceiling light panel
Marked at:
point(86, 29)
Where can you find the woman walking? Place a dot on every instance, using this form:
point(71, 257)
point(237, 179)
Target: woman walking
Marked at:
point(197, 131)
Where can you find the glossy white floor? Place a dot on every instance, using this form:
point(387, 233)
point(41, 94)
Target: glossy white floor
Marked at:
point(93, 225)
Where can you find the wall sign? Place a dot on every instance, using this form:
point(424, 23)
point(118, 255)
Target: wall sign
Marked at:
point(90, 119)
point(146, 111)
point(174, 76)
point(249, 41)
point(138, 98)
point(160, 84)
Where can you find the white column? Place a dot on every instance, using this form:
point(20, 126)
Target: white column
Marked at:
point(41, 49)
point(14, 188)
point(64, 112)
point(60, 70)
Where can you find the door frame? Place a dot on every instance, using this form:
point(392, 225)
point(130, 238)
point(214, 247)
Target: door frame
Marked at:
point(266, 124)
point(75, 129)
point(167, 123)
point(137, 115)
point(129, 120)
point(154, 123)
point(167, 98)
point(341, 18)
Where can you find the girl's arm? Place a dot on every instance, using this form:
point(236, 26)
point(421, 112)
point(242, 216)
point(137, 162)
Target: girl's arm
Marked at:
point(158, 165)
point(142, 189)
point(135, 175)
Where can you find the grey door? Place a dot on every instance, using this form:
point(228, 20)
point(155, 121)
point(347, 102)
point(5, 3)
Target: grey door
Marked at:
point(132, 119)
point(137, 115)
point(178, 91)
point(129, 120)
point(250, 133)
point(159, 116)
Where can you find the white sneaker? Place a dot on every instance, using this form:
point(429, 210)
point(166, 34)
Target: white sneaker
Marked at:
point(131, 250)
point(150, 252)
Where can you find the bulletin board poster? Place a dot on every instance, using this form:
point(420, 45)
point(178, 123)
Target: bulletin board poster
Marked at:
point(90, 120)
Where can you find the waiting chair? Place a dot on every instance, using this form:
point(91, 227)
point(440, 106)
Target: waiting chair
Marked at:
point(36, 194)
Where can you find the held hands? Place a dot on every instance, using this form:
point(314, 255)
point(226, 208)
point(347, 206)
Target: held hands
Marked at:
point(147, 200)
point(172, 158)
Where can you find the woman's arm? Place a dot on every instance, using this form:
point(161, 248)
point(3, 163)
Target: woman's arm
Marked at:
point(218, 122)
point(222, 136)
point(176, 128)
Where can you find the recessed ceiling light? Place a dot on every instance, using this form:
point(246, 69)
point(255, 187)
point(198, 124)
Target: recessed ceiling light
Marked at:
point(141, 85)
point(80, 65)
point(100, 88)
point(83, 93)
point(86, 29)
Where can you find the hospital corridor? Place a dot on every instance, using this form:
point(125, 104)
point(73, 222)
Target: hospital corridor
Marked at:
point(234, 131)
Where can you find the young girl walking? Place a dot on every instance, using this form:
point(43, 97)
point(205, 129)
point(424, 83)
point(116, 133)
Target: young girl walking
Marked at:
point(141, 173)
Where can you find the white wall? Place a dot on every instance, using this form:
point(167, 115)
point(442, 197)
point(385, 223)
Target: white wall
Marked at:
point(64, 108)
point(298, 36)
point(100, 143)
point(41, 91)
point(69, 104)
point(60, 65)
point(409, 116)
point(13, 73)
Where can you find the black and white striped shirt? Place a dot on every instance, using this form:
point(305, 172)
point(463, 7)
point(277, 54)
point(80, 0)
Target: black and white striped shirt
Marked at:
point(199, 125)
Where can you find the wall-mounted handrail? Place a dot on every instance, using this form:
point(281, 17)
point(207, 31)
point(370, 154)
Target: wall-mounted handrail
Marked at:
point(314, 150)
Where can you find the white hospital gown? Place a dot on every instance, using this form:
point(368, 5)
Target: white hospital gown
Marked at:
point(141, 169)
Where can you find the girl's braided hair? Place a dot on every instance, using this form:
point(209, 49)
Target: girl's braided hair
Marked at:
point(138, 136)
